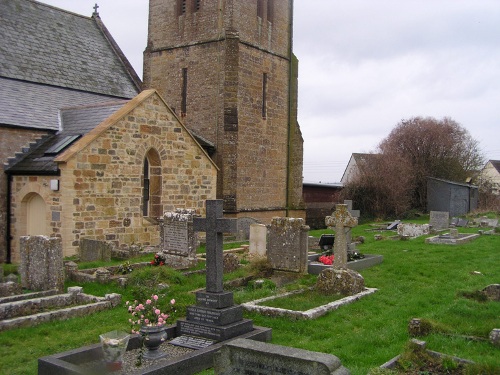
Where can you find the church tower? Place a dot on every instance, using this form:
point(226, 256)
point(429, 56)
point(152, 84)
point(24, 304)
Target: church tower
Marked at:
point(226, 67)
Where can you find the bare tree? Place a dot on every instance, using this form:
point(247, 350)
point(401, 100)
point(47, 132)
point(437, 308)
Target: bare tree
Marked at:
point(433, 148)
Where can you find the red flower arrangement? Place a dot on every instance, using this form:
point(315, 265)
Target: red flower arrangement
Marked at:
point(327, 259)
point(159, 260)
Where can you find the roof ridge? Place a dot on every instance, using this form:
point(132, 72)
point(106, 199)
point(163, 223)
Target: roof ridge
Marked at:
point(59, 9)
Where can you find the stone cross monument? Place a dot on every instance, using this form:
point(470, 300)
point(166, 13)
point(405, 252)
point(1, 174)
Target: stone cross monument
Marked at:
point(215, 226)
point(339, 221)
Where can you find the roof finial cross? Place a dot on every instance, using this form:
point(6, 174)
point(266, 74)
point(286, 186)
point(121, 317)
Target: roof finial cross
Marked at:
point(95, 9)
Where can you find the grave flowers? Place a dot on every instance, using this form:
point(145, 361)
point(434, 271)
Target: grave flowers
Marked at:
point(159, 260)
point(327, 259)
point(149, 321)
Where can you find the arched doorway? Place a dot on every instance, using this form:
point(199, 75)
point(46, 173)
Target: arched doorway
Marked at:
point(36, 221)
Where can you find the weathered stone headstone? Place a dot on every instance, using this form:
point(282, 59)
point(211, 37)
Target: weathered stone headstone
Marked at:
point(413, 230)
point(439, 220)
point(288, 244)
point(258, 240)
point(41, 266)
point(94, 250)
point(214, 317)
point(492, 292)
point(462, 222)
point(231, 262)
point(340, 219)
point(356, 214)
point(346, 282)
point(245, 357)
point(178, 240)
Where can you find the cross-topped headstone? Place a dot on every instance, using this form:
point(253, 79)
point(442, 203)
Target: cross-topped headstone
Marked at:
point(215, 226)
point(340, 219)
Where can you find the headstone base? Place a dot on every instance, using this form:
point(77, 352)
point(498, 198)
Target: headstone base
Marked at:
point(213, 332)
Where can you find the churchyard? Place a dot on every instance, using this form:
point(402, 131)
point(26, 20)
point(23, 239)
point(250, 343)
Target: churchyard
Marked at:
point(436, 283)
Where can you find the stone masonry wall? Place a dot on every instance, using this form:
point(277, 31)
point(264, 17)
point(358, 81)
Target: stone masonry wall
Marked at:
point(12, 140)
point(226, 53)
point(100, 194)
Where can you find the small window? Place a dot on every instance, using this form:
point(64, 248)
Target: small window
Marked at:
point(264, 95)
point(184, 92)
point(181, 7)
point(270, 10)
point(196, 5)
point(260, 8)
point(61, 145)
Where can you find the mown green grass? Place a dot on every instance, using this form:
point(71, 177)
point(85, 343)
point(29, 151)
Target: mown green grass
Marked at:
point(416, 280)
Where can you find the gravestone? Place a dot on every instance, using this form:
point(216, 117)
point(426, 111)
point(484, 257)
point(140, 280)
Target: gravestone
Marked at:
point(94, 250)
point(214, 318)
point(243, 227)
point(393, 225)
point(258, 240)
point(356, 214)
point(178, 240)
point(410, 230)
point(41, 266)
point(326, 241)
point(247, 357)
point(288, 244)
point(462, 222)
point(340, 219)
point(439, 220)
point(453, 221)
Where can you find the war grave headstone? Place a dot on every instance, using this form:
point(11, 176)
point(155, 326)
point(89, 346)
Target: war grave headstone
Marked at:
point(93, 250)
point(439, 220)
point(41, 266)
point(258, 240)
point(178, 240)
point(288, 244)
point(215, 317)
point(244, 357)
point(243, 225)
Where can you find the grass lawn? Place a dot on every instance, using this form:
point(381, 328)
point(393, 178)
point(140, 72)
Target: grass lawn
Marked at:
point(416, 280)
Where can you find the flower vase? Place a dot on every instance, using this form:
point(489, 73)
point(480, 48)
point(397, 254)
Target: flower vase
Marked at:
point(114, 344)
point(153, 337)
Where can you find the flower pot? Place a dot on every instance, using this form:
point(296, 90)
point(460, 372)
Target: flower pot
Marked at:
point(114, 344)
point(153, 337)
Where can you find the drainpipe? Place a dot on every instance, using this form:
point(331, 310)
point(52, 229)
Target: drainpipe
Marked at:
point(7, 229)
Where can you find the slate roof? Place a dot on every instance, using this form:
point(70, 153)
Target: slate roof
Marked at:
point(496, 164)
point(76, 121)
point(43, 44)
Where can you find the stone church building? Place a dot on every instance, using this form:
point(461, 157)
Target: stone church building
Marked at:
point(88, 155)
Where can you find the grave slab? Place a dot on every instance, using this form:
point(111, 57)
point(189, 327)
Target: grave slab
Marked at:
point(242, 357)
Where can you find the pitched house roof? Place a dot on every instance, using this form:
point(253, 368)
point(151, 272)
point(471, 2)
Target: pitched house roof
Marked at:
point(51, 58)
point(81, 125)
point(76, 122)
point(495, 164)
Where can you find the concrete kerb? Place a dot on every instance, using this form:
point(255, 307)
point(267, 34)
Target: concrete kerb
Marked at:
point(308, 314)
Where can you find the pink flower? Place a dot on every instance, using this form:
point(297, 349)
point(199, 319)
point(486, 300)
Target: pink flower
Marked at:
point(172, 301)
point(146, 321)
point(155, 297)
point(157, 312)
point(148, 302)
point(141, 306)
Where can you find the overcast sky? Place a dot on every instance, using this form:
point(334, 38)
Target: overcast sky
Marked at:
point(364, 65)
